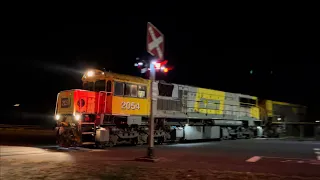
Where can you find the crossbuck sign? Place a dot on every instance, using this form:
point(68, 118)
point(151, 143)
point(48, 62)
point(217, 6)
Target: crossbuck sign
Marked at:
point(155, 41)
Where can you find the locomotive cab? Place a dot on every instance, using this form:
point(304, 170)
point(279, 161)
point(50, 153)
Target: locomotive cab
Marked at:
point(108, 101)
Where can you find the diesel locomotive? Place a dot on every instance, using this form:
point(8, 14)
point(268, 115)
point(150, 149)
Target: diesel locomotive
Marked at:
point(113, 108)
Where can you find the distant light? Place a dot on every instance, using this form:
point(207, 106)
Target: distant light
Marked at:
point(57, 117)
point(165, 70)
point(186, 125)
point(140, 63)
point(279, 119)
point(90, 73)
point(135, 64)
point(318, 121)
point(153, 62)
point(16, 105)
point(251, 72)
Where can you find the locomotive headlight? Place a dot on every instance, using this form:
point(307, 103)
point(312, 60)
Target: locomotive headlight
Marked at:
point(90, 73)
point(77, 117)
point(57, 117)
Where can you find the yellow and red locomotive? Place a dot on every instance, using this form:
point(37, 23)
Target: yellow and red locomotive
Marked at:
point(113, 108)
point(103, 106)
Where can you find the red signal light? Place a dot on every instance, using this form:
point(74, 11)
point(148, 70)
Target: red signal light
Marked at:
point(157, 65)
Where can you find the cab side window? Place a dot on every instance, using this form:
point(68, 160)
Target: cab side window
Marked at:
point(127, 90)
point(118, 89)
point(130, 90)
point(134, 92)
point(142, 91)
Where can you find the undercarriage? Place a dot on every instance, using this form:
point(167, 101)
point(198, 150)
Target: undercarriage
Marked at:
point(73, 133)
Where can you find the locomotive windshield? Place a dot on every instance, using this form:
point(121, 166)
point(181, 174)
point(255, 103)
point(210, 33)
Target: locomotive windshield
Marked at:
point(97, 86)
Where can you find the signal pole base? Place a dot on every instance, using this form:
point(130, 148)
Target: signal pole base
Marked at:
point(150, 152)
point(150, 156)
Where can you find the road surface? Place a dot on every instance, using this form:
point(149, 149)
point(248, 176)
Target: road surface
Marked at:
point(260, 159)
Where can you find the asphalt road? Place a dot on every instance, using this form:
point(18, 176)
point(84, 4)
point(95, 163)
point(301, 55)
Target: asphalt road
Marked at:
point(280, 157)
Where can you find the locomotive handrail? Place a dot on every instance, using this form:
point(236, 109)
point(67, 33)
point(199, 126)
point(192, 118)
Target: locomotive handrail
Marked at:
point(98, 102)
point(105, 101)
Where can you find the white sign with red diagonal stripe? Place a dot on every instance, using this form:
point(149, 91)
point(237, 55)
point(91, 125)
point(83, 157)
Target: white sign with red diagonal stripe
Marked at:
point(155, 41)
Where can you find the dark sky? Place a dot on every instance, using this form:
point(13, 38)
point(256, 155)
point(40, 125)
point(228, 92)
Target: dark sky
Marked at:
point(41, 59)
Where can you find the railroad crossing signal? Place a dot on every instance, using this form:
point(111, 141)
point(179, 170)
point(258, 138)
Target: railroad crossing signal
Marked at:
point(160, 66)
point(155, 47)
point(155, 41)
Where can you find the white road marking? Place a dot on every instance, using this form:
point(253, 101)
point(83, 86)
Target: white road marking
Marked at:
point(254, 159)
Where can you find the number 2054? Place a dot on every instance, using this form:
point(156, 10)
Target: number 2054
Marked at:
point(130, 105)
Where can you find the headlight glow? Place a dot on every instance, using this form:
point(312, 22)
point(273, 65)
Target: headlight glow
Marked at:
point(57, 117)
point(77, 117)
point(90, 73)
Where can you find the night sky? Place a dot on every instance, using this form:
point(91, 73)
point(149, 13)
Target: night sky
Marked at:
point(42, 59)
